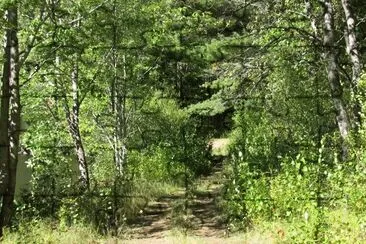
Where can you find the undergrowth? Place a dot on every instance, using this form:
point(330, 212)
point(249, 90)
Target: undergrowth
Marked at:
point(44, 231)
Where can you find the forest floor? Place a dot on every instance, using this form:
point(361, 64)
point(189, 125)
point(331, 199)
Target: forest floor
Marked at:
point(194, 214)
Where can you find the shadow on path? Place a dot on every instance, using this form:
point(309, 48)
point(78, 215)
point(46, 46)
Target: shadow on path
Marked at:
point(201, 218)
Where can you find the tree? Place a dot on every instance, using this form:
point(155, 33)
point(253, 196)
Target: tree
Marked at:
point(11, 109)
point(73, 120)
point(336, 89)
point(352, 47)
point(10, 116)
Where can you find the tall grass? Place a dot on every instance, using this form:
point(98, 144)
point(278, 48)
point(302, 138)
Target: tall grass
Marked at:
point(49, 232)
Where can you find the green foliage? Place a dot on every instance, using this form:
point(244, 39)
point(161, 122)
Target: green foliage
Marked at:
point(295, 188)
point(151, 165)
point(304, 196)
point(178, 71)
point(44, 231)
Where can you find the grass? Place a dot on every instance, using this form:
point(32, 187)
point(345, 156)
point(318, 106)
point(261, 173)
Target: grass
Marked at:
point(42, 232)
point(340, 226)
point(147, 191)
point(46, 232)
point(337, 226)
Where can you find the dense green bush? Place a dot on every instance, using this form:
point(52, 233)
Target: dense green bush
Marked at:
point(304, 196)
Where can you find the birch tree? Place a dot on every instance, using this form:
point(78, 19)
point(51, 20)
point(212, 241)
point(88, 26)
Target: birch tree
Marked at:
point(352, 48)
point(72, 117)
point(336, 89)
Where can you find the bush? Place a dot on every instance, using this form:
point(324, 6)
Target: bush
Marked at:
point(305, 199)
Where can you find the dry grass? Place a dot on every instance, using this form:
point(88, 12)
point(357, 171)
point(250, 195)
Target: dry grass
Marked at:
point(177, 237)
point(43, 233)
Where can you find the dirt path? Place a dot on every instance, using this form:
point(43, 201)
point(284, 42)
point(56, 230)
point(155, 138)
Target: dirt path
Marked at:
point(155, 219)
point(196, 213)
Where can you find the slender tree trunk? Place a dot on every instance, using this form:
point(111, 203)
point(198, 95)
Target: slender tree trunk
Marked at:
point(354, 54)
point(331, 56)
point(119, 111)
point(12, 96)
point(122, 120)
point(72, 116)
point(4, 114)
point(118, 98)
point(74, 128)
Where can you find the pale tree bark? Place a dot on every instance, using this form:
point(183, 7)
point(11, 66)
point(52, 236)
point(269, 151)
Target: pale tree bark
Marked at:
point(331, 56)
point(11, 97)
point(73, 112)
point(72, 116)
point(354, 54)
point(120, 133)
point(118, 101)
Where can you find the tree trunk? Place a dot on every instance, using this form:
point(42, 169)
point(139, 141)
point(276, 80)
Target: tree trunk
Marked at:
point(118, 101)
point(119, 111)
point(74, 129)
point(12, 97)
point(72, 116)
point(4, 114)
point(331, 56)
point(354, 54)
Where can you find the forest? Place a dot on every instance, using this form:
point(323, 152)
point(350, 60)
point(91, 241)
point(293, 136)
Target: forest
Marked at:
point(183, 121)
